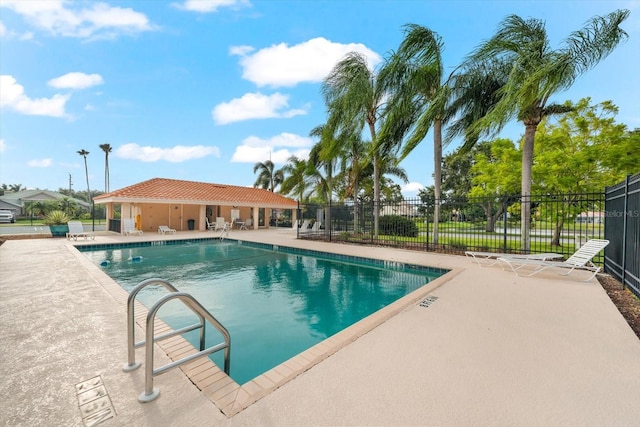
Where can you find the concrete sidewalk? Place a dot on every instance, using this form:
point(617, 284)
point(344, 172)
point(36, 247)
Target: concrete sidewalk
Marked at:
point(493, 349)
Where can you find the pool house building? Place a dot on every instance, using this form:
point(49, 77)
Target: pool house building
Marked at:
point(188, 205)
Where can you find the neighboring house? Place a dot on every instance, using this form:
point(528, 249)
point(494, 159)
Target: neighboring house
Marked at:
point(16, 209)
point(19, 201)
point(187, 205)
point(406, 209)
point(590, 217)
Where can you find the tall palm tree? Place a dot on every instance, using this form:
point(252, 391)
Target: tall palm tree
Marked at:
point(537, 72)
point(107, 149)
point(268, 177)
point(354, 97)
point(414, 77)
point(84, 153)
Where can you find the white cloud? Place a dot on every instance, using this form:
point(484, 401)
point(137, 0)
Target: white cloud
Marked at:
point(12, 96)
point(40, 163)
point(76, 80)
point(70, 19)
point(3, 29)
point(240, 50)
point(254, 106)
point(177, 154)
point(209, 6)
point(2, 145)
point(412, 187)
point(277, 148)
point(311, 61)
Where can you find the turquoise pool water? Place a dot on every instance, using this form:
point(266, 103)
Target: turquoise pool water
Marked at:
point(275, 303)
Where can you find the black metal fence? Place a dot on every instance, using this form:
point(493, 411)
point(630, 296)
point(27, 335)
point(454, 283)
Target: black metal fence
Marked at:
point(622, 229)
point(560, 223)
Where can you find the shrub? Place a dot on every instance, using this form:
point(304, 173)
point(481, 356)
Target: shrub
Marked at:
point(56, 218)
point(396, 225)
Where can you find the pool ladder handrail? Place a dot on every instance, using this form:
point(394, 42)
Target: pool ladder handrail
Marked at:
point(150, 393)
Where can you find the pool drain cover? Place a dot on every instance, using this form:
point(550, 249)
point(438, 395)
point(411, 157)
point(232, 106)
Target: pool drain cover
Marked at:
point(94, 402)
point(428, 301)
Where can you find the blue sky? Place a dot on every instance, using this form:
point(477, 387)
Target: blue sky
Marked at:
point(201, 90)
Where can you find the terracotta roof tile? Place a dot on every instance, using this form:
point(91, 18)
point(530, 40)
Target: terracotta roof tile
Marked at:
point(173, 190)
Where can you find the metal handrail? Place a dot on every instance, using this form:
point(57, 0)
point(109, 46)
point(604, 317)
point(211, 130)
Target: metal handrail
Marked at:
point(131, 321)
point(150, 393)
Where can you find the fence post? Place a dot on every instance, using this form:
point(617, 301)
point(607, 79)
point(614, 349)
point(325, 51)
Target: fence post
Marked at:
point(624, 231)
point(504, 220)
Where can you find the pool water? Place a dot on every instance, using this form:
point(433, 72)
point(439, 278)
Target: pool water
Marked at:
point(275, 304)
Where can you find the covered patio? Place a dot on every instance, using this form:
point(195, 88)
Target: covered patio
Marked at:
point(189, 205)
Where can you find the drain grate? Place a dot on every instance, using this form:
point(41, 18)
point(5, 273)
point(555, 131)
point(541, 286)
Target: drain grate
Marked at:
point(94, 402)
point(428, 301)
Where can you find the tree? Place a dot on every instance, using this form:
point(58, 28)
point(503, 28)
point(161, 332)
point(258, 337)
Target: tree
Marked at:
point(295, 178)
point(107, 149)
point(84, 153)
point(268, 177)
point(414, 77)
point(495, 176)
point(583, 153)
point(537, 72)
point(354, 95)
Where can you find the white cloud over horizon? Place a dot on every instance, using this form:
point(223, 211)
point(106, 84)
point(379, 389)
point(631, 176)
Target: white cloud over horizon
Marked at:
point(210, 6)
point(411, 187)
point(176, 154)
point(277, 148)
point(309, 62)
point(67, 19)
point(76, 80)
point(255, 106)
point(40, 163)
point(12, 96)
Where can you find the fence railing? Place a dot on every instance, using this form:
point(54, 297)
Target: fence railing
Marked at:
point(622, 229)
point(560, 223)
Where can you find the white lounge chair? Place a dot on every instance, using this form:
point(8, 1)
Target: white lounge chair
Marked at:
point(314, 228)
point(76, 230)
point(130, 227)
point(293, 229)
point(487, 259)
point(580, 260)
point(163, 229)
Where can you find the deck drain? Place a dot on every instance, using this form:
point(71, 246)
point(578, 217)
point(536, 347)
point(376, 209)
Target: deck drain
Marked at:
point(94, 402)
point(428, 301)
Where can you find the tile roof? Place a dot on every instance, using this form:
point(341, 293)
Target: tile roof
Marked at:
point(189, 192)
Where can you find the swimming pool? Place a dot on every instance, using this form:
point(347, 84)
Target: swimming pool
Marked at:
point(276, 302)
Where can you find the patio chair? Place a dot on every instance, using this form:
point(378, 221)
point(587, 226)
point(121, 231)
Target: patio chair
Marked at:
point(210, 226)
point(220, 224)
point(580, 260)
point(130, 227)
point(163, 229)
point(76, 230)
point(487, 259)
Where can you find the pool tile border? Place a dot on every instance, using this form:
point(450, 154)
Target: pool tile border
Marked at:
point(230, 397)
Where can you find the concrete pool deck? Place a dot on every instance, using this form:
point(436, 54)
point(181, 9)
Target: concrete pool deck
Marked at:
point(493, 349)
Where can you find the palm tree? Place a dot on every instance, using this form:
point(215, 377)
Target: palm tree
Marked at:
point(413, 77)
point(354, 98)
point(107, 149)
point(84, 153)
point(295, 178)
point(268, 178)
point(535, 73)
